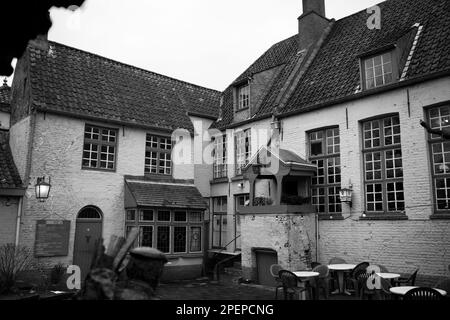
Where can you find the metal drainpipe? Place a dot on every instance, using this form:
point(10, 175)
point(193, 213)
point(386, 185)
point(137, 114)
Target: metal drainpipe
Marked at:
point(19, 218)
point(317, 237)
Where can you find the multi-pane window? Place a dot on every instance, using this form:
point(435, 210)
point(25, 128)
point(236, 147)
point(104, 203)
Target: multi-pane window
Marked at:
point(158, 155)
point(243, 149)
point(378, 70)
point(100, 147)
point(324, 148)
point(220, 222)
point(243, 97)
point(170, 231)
point(241, 201)
point(220, 157)
point(383, 165)
point(439, 119)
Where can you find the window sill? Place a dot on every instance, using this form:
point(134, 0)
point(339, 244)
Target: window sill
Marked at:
point(238, 178)
point(440, 216)
point(384, 217)
point(242, 110)
point(99, 170)
point(331, 217)
point(219, 181)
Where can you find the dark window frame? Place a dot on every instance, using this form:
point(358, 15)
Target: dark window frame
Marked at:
point(172, 224)
point(382, 149)
point(159, 150)
point(221, 215)
point(433, 140)
point(326, 156)
point(99, 143)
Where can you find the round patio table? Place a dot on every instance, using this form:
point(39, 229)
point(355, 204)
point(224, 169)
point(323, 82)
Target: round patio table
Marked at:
point(341, 269)
point(306, 274)
point(401, 291)
point(388, 275)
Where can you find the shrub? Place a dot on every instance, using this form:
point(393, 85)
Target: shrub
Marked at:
point(57, 273)
point(13, 260)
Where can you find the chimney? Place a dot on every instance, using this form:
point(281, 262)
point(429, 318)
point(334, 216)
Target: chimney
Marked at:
point(312, 23)
point(317, 6)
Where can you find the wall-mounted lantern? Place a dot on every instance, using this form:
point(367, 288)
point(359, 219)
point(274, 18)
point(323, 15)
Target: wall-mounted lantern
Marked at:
point(346, 195)
point(42, 189)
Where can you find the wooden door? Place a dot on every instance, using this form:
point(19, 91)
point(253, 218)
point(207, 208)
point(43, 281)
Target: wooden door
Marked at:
point(87, 233)
point(264, 260)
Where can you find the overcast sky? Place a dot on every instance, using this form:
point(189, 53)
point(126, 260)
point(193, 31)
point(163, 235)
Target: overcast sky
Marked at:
point(206, 42)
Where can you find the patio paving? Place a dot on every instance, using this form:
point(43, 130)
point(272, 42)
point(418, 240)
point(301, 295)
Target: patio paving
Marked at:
point(227, 289)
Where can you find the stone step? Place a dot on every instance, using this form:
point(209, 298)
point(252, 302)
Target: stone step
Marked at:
point(236, 272)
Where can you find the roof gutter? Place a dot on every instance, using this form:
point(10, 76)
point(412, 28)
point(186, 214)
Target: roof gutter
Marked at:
point(364, 94)
point(203, 116)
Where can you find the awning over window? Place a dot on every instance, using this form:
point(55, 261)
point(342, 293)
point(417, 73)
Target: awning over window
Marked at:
point(168, 194)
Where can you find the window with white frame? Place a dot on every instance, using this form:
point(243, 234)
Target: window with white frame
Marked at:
point(243, 149)
point(439, 119)
point(324, 149)
point(170, 231)
point(100, 147)
point(220, 222)
point(378, 70)
point(220, 157)
point(243, 97)
point(383, 166)
point(158, 155)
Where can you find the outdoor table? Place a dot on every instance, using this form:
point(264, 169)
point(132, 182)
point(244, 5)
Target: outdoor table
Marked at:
point(341, 269)
point(305, 275)
point(388, 275)
point(401, 291)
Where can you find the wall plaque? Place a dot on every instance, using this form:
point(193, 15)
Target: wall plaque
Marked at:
point(52, 238)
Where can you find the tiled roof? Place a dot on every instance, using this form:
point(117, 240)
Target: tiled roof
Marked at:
point(72, 81)
point(166, 194)
point(9, 176)
point(335, 71)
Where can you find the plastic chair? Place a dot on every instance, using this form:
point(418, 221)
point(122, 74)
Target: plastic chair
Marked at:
point(275, 271)
point(290, 284)
point(354, 274)
point(336, 260)
point(420, 294)
point(444, 285)
point(321, 282)
point(411, 281)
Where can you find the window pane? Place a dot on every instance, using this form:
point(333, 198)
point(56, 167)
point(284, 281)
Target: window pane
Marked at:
point(164, 216)
point(395, 197)
point(163, 239)
point(146, 215)
point(374, 197)
point(131, 215)
point(196, 239)
point(146, 236)
point(179, 241)
point(180, 216)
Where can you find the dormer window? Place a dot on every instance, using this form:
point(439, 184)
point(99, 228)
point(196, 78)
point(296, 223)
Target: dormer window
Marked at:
point(378, 70)
point(243, 97)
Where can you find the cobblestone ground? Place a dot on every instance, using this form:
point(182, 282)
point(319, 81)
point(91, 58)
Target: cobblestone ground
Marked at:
point(227, 289)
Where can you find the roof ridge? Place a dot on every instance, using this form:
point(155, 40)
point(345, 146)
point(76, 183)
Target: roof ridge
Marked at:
point(127, 65)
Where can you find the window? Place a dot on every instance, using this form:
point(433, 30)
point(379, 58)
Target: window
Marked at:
point(220, 222)
point(220, 157)
point(383, 166)
point(158, 155)
point(324, 146)
point(243, 150)
point(243, 97)
point(439, 119)
point(241, 201)
point(170, 231)
point(99, 151)
point(378, 70)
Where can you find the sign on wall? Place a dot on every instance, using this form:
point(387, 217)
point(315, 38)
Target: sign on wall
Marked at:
point(52, 238)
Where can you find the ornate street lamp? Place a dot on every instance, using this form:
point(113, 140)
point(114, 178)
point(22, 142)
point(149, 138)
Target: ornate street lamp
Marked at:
point(346, 195)
point(42, 189)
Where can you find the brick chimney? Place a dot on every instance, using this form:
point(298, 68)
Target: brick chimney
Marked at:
point(312, 23)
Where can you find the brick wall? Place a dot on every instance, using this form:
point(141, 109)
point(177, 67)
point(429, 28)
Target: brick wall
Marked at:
point(399, 245)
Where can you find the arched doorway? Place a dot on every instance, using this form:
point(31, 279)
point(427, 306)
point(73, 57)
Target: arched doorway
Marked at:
point(88, 231)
